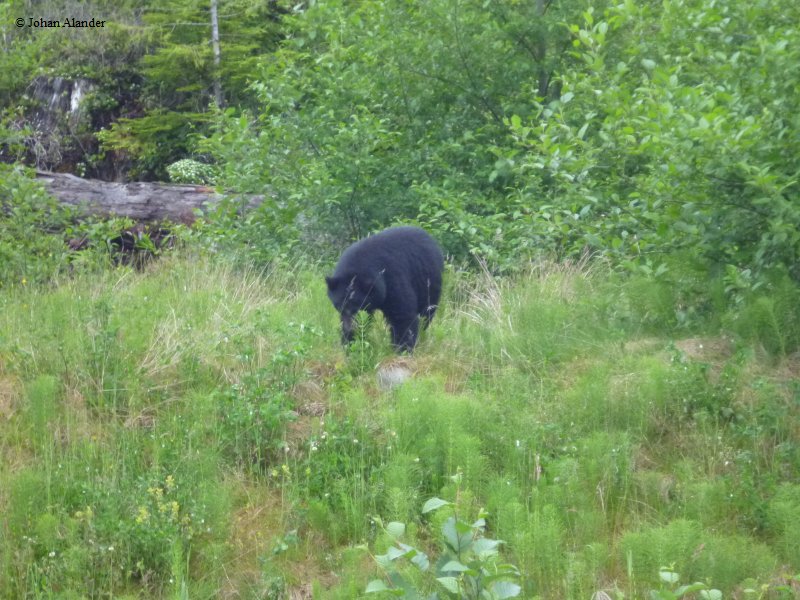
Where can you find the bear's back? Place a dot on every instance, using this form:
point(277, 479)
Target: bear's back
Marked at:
point(404, 250)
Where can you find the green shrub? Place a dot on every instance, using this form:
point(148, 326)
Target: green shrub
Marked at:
point(442, 430)
point(340, 472)
point(605, 462)
point(402, 479)
point(783, 523)
point(636, 396)
point(253, 415)
point(468, 567)
point(650, 548)
point(707, 501)
point(770, 317)
point(32, 247)
point(539, 544)
point(725, 561)
point(191, 171)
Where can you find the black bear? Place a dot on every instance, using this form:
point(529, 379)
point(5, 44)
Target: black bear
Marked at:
point(397, 271)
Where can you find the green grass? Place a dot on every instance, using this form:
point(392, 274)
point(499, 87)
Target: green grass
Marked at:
point(196, 430)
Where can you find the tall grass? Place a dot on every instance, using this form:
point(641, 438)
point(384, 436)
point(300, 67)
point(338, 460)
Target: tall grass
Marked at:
point(196, 430)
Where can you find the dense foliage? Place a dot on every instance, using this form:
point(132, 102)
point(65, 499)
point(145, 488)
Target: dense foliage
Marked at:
point(633, 130)
point(673, 133)
point(377, 111)
point(640, 131)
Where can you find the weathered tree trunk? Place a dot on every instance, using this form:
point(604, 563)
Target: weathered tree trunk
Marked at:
point(143, 202)
point(215, 46)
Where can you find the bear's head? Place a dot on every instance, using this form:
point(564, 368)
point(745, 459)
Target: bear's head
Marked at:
point(351, 293)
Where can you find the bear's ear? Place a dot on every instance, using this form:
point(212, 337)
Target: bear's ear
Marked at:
point(331, 281)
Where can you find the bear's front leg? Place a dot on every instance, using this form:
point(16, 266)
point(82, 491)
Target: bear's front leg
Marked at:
point(348, 329)
point(404, 332)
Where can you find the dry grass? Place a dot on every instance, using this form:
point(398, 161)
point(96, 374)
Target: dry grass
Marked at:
point(9, 398)
point(252, 526)
point(256, 525)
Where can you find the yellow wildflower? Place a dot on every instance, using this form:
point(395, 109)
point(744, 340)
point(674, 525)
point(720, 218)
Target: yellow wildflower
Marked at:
point(143, 516)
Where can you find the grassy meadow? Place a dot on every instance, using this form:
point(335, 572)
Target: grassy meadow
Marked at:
point(196, 431)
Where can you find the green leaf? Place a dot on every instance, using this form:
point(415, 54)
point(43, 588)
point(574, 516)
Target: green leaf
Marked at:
point(690, 589)
point(450, 584)
point(463, 528)
point(421, 561)
point(485, 546)
point(479, 524)
point(505, 589)
point(711, 594)
point(394, 553)
point(668, 576)
point(434, 504)
point(396, 529)
point(456, 566)
point(376, 585)
point(457, 535)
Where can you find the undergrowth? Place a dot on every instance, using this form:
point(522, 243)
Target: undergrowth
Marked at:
point(195, 430)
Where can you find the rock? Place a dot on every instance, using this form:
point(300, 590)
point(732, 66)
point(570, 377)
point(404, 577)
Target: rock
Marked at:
point(392, 374)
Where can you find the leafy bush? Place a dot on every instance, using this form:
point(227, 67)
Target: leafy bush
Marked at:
point(442, 430)
point(652, 547)
point(725, 561)
point(255, 411)
point(262, 237)
point(768, 315)
point(467, 568)
point(602, 135)
point(407, 127)
point(640, 158)
point(671, 588)
point(93, 538)
point(191, 171)
point(32, 245)
point(340, 472)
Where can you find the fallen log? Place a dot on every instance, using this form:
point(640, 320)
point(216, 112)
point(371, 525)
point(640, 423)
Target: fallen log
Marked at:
point(140, 201)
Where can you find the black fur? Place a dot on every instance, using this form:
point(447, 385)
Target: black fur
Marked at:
point(397, 271)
